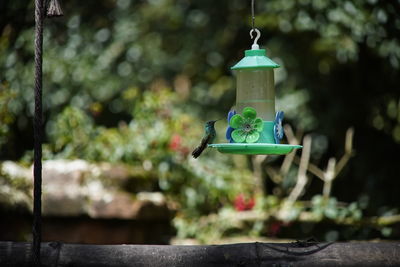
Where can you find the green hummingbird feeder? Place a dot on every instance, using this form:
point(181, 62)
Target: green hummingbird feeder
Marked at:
point(253, 125)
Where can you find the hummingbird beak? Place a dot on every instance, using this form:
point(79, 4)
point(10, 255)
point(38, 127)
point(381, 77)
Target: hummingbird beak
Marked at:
point(214, 121)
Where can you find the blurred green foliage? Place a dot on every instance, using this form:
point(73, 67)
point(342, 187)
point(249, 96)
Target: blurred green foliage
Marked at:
point(160, 139)
point(227, 221)
point(133, 81)
point(6, 117)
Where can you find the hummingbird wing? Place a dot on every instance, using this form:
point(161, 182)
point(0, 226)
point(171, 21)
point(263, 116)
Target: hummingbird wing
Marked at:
point(203, 145)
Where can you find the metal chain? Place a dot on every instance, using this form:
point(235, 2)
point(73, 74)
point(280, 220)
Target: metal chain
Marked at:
point(252, 15)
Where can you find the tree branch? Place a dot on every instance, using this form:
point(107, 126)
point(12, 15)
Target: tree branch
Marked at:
point(257, 162)
point(329, 175)
point(348, 151)
point(302, 172)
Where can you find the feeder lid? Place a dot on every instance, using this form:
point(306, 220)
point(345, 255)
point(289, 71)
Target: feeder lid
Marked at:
point(255, 59)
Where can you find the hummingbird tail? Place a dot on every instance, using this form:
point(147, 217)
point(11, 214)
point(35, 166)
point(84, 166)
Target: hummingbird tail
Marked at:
point(203, 145)
point(198, 150)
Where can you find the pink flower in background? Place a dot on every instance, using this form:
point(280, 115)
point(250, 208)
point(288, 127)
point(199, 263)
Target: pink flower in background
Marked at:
point(242, 204)
point(175, 142)
point(275, 228)
point(251, 203)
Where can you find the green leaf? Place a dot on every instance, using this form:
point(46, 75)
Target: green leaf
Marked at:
point(236, 121)
point(249, 113)
point(252, 137)
point(238, 135)
point(258, 124)
point(331, 212)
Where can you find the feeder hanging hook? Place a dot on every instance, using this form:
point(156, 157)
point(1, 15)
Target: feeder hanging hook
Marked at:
point(255, 45)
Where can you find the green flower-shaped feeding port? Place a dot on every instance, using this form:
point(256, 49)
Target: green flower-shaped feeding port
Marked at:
point(247, 128)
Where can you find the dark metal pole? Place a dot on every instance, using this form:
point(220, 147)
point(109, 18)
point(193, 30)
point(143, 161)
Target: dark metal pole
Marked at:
point(38, 133)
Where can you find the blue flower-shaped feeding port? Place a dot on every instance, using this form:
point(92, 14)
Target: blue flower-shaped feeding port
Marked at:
point(229, 129)
point(278, 129)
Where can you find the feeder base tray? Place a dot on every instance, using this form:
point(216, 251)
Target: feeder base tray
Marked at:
point(255, 148)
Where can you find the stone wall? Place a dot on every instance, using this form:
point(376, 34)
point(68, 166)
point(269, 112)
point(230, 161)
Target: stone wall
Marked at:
point(86, 203)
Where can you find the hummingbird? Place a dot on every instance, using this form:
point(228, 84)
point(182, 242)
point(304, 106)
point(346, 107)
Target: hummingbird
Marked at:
point(208, 138)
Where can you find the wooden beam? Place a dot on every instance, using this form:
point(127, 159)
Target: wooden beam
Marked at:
point(247, 254)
